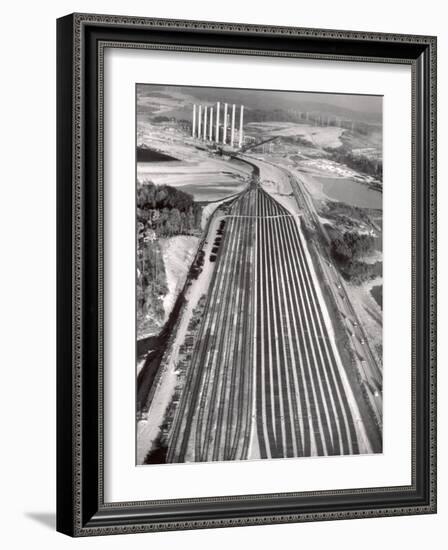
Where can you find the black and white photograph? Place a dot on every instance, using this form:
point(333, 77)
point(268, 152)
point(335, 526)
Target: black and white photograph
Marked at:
point(258, 274)
point(227, 243)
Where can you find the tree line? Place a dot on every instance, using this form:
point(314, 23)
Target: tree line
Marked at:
point(167, 211)
point(162, 211)
point(347, 251)
point(151, 286)
point(371, 167)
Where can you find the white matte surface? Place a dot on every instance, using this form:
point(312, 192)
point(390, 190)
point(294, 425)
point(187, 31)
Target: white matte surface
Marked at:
point(124, 481)
point(28, 277)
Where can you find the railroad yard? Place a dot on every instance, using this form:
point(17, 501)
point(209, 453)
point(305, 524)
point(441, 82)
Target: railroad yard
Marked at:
point(271, 353)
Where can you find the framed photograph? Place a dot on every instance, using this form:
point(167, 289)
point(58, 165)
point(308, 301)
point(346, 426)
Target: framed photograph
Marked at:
point(246, 274)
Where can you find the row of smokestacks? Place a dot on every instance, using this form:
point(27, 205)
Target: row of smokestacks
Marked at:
point(217, 123)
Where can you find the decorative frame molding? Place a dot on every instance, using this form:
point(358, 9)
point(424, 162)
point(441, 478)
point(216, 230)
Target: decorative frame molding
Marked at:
point(82, 39)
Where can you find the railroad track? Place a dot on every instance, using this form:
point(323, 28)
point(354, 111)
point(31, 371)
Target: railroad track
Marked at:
point(265, 359)
point(212, 409)
point(308, 406)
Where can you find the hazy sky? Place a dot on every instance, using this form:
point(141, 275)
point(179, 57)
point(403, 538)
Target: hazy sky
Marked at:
point(370, 106)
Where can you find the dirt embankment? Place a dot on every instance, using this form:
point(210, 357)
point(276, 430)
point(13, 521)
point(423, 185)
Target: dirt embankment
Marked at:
point(178, 254)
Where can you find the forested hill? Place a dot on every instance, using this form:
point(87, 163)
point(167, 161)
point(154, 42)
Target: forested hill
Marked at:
point(167, 210)
point(162, 211)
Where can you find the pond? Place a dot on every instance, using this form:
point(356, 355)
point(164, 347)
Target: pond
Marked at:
point(350, 191)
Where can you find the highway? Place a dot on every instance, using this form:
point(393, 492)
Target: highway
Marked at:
point(265, 379)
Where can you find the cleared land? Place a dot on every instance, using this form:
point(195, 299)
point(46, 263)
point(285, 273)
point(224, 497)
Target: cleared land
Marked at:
point(328, 136)
point(206, 180)
point(178, 254)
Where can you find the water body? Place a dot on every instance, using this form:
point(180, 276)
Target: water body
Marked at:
point(377, 293)
point(150, 155)
point(145, 345)
point(349, 191)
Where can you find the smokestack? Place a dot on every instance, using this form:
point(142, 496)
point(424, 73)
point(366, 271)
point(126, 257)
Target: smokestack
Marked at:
point(217, 122)
point(232, 130)
point(205, 123)
point(193, 126)
point(240, 144)
point(199, 120)
point(224, 133)
point(210, 132)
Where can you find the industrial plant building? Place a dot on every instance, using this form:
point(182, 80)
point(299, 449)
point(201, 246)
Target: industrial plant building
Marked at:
point(219, 123)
